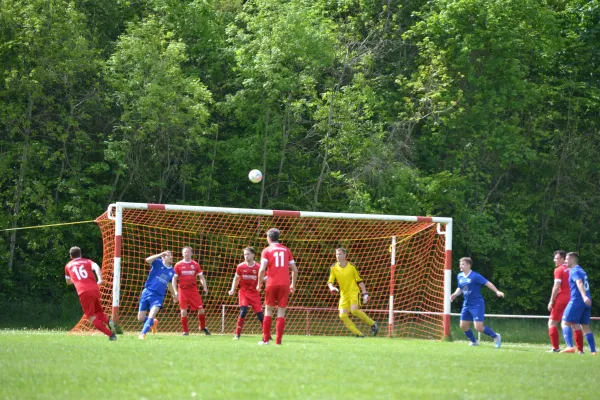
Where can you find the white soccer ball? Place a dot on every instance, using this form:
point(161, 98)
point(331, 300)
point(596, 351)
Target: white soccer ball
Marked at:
point(255, 176)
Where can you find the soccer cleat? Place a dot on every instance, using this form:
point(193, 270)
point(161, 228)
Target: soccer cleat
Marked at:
point(580, 352)
point(206, 332)
point(236, 337)
point(593, 353)
point(185, 334)
point(476, 343)
point(569, 350)
point(154, 326)
point(359, 336)
point(112, 326)
point(498, 341)
point(374, 328)
point(553, 351)
point(142, 336)
point(261, 343)
point(113, 336)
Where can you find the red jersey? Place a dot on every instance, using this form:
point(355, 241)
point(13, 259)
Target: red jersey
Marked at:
point(81, 273)
point(561, 274)
point(186, 273)
point(278, 268)
point(248, 276)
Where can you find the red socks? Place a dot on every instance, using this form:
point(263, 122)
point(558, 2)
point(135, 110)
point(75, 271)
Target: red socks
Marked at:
point(280, 326)
point(240, 325)
point(202, 320)
point(184, 324)
point(578, 339)
point(102, 327)
point(553, 333)
point(102, 317)
point(267, 321)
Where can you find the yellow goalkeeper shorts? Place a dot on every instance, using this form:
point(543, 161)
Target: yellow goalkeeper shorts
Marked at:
point(349, 300)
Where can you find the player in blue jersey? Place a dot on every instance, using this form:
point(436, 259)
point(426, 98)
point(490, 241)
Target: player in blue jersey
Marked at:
point(473, 310)
point(153, 295)
point(579, 309)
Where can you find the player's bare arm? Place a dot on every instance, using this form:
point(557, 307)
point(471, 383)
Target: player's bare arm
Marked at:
point(236, 280)
point(456, 293)
point(581, 287)
point(174, 283)
point(98, 272)
point(154, 257)
point(493, 288)
point(363, 290)
point(173, 292)
point(203, 283)
point(554, 293)
point(294, 275)
point(68, 280)
point(261, 273)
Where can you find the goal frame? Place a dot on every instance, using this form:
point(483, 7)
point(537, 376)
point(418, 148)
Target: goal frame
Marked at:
point(444, 227)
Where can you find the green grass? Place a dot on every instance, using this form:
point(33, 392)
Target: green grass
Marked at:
point(47, 364)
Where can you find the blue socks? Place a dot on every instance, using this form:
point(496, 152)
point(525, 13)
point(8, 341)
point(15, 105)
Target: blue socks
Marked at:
point(591, 342)
point(147, 325)
point(568, 334)
point(488, 331)
point(469, 334)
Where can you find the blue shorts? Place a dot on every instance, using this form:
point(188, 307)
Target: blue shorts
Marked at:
point(150, 299)
point(577, 313)
point(473, 313)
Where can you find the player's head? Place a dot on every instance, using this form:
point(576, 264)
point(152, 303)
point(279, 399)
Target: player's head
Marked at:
point(340, 254)
point(249, 254)
point(75, 252)
point(273, 235)
point(168, 257)
point(559, 257)
point(466, 264)
point(572, 259)
point(187, 253)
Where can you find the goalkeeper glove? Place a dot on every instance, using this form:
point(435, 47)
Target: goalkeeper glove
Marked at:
point(334, 290)
point(365, 298)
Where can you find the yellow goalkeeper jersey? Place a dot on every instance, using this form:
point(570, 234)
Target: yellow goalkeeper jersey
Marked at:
point(347, 278)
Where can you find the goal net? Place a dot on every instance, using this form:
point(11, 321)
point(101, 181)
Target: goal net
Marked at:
point(403, 261)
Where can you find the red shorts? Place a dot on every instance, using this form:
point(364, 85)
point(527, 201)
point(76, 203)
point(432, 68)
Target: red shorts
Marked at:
point(277, 295)
point(90, 303)
point(558, 309)
point(251, 299)
point(189, 298)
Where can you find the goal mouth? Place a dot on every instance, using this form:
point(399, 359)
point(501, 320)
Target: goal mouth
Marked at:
point(404, 262)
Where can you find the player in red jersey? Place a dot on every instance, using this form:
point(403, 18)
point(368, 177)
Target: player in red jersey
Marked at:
point(80, 272)
point(276, 260)
point(184, 280)
point(561, 294)
point(246, 274)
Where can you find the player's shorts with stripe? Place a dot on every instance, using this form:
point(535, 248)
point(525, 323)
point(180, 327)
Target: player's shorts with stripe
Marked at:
point(251, 299)
point(473, 312)
point(277, 295)
point(348, 300)
point(90, 302)
point(558, 309)
point(577, 313)
point(190, 298)
point(150, 299)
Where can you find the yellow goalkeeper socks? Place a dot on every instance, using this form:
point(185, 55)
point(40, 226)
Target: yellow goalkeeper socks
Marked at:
point(349, 324)
point(364, 317)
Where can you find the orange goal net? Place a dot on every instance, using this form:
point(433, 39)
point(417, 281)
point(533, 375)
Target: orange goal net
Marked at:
point(403, 261)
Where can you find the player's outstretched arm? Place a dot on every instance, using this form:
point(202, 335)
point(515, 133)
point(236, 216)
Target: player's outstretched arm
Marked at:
point(294, 275)
point(491, 286)
point(234, 284)
point(456, 293)
point(151, 259)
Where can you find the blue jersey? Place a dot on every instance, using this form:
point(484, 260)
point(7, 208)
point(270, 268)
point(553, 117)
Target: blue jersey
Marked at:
point(576, 273)
point(470, 285)
point(159, 278)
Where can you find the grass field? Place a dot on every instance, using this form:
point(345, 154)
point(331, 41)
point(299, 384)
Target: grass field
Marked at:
point(50, 364)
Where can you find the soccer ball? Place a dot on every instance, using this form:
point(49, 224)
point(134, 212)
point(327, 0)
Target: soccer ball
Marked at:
point(255, 176)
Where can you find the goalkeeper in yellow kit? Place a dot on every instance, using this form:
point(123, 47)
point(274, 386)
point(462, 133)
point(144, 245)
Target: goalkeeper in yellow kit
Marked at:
point(349, 282)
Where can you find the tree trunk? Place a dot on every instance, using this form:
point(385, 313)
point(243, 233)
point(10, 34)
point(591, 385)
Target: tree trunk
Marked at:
point(264, 166)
